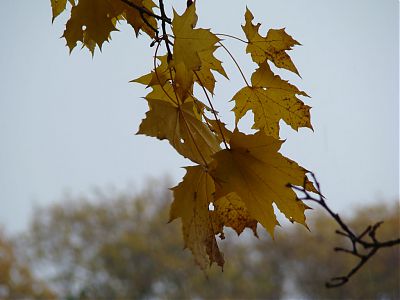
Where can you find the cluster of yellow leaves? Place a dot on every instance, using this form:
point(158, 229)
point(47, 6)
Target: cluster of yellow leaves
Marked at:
point(269, 97)
point(237, 177)
point(242, 181)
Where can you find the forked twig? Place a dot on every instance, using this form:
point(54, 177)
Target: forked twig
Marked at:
point(366, 240)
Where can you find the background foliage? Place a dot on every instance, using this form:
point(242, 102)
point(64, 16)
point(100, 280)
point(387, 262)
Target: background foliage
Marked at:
point(121, 248)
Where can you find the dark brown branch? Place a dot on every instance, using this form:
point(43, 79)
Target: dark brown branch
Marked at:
point(145, 11)
point(164, 30)
point(148, 24)
point(360, 240)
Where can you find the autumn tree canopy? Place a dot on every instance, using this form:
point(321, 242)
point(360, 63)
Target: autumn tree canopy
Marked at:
point(119, 247)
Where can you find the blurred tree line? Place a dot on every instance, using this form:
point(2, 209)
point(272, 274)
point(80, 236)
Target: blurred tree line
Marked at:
point(121, 247)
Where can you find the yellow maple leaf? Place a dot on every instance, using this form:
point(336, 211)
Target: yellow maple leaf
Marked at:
point(182, 128)
point(90, 22)
point(191, 203)
point(272, 47)
point(188, 44)
point(271, 99)
point(255, 170)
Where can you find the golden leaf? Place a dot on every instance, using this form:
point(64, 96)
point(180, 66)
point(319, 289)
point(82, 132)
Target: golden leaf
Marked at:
point(90, 22)
point(272, 47)
point(254, 170)
point(271, 99)
point(188, 44)
point(191, 203)
point(182, 128)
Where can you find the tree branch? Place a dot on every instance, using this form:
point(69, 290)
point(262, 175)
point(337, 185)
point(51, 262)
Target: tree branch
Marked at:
point(372, 245)
point(164, 30)
point(145, 11)
point(148, 24)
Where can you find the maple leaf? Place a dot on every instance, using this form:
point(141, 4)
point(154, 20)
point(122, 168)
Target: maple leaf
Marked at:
point(193, 51)
point(271, 99)
point(183, 129)
point(191, 203)
point(255, 170)
point(272, 47)
point(91, 23)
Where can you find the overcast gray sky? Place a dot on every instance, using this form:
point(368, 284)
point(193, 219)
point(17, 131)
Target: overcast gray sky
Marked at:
point(67, 123)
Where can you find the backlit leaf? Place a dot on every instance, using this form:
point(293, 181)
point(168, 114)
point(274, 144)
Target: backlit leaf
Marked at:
point(272, 47)
point(255, 170)
point(182, 128)
point(191, 203)
point(271, 99)
point(92, 20)
point(188, 44)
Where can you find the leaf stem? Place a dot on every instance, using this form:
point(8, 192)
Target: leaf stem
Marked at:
point(212, 109)
point(158, 78)
point(148, 23)
point(164, 30)
point(231, 36)
point(236, 63)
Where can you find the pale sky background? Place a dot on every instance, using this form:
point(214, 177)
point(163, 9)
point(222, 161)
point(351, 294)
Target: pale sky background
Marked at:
point(67, 122)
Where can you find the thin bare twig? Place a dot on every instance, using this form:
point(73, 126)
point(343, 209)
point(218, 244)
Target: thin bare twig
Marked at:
point(367, 240)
